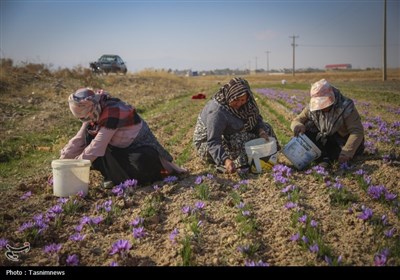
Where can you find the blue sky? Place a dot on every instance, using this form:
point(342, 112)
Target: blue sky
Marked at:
point(200, 35)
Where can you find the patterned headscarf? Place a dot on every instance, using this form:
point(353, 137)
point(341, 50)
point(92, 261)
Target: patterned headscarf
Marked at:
point(322, 95)
point(84, 102)
point(108, 111)
point(231, 91)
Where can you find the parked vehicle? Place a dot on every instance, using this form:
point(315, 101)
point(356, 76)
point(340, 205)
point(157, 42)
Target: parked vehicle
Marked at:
point(109, 63)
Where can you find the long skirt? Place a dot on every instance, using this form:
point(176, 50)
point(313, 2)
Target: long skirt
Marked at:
point(140, 161)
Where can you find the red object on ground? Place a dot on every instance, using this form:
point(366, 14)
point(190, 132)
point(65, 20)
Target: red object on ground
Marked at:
point(199, 96)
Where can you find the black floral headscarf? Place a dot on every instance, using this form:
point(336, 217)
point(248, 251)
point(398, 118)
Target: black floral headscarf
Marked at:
point(236, 88)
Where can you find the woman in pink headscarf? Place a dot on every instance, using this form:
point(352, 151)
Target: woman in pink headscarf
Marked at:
point(116, 140)
point(332, 122)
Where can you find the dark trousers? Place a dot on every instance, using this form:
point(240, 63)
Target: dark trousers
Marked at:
point(120, 164)
point(333, 145)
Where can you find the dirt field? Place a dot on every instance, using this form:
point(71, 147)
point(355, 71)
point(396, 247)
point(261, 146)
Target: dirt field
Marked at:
point(342, 216)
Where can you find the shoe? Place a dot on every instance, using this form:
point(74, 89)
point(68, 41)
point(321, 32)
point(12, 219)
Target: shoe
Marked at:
point(325, 163)
point(108, 184)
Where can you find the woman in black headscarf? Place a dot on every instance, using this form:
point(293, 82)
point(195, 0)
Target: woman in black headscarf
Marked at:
point(226, 123)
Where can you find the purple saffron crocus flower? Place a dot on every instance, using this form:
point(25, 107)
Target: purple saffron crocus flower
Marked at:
point(360, 172)
point(26, 195)
point(130, 183)
point(384, 220)
point(79, 227)
point(62, 200)
point(199, 205)
point(80, 194)
point(120, 246)
point(96, 220)
point(290, 205)
point(381, 258)
point(137, 221)
point(173, 235)
point(56, 209)
point(52, 248)
point(240, 205)
point(72, 260)
point(139, 232)
point(329, 260)
point(389, 233)
point(314, 248)
point(367, 179)
point(303, 219)
point(376, 191)
point(366, 214)
point(77, 237)
point(314, 223)
point(295, 237)
point(244, 249)
point(328, 183)
point(390, 196)
point(85, 220)
point(106, 205)
point(337, 185)
point(288, 188)
point(186, 209)
point(3, 243)
point(244, 182)
point(170, 179)
point(118, 190)
point(198, 180)
point(252, 263)
point(344, 166)
point(246, 213)
point(236, 187)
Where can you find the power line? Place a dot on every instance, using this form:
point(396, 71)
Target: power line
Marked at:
point(340, 46)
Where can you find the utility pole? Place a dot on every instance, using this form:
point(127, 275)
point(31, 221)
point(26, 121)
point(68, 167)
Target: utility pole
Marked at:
point(267, 52)
point(255, 70)
point(294, 46)
point(384, 74)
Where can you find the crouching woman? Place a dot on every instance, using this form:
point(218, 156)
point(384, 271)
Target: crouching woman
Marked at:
point(117, 141)
point(226, 123)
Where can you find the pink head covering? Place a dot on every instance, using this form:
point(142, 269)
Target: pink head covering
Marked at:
point(82, 103)
point(322, 95)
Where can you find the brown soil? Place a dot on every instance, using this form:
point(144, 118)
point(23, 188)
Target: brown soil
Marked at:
point(220, 233)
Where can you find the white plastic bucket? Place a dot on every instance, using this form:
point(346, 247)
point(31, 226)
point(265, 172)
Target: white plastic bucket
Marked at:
point(301, 151)
point(262, 153)
point(70, 176)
